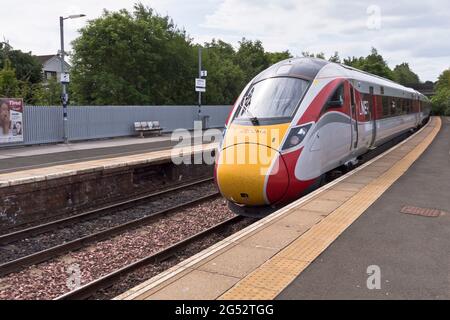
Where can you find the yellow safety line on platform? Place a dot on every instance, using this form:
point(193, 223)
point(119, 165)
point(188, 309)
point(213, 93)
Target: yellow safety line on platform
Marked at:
point(267, 281)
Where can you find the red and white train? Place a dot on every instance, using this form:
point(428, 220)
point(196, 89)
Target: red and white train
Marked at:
point(302, 118)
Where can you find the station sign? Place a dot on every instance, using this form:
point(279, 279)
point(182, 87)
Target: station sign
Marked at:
point(200, 85)
point(65, 77)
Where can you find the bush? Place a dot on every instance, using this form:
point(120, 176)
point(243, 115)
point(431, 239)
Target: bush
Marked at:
point(441, 102)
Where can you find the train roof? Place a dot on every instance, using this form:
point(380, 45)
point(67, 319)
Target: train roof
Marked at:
point(312, 68)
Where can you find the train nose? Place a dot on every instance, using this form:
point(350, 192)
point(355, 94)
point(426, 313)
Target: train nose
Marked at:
point(251, 174)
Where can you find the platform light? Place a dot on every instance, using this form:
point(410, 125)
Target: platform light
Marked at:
point(64, 95)
point(75, 16)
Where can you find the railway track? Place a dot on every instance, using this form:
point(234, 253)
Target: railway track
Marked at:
point(104, 282)
point(43, 255)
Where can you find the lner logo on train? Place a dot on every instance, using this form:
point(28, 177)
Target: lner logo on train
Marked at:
point(302, 118)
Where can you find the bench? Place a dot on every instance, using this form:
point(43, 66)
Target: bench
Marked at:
point(147, 126)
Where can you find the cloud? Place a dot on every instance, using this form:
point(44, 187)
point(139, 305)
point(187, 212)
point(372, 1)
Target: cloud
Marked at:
point(412, 31)
point(415, 32)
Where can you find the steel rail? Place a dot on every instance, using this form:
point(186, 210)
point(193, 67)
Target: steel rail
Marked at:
point(91, 214)
point(108, 280)
point(44, 255)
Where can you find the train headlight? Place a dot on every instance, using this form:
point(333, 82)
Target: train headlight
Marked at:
point(296, 136)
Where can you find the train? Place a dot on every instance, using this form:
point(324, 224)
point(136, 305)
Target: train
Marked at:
point(299, 120)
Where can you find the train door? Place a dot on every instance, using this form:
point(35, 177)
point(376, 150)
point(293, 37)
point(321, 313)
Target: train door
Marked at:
point(373, 115)
point(354, 117)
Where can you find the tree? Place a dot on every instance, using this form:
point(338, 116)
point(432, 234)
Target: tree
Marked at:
point(9, 85)
point(48, 94)
point(373, 63)
point(275, 57)
point(133, 58)
point(335, 58)
point(441, 100)
point(404, 75)
point(443, 80)
point(225, 78)
point(251, 58)
point(26, 66)
point(308, 54)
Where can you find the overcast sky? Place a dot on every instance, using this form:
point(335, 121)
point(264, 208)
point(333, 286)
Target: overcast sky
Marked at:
point(413, 31)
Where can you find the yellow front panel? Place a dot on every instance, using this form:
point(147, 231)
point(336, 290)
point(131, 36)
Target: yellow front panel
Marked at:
point(245, 160)
point(266, 135)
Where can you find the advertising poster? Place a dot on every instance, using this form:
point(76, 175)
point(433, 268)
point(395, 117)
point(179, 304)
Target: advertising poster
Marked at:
point(11, 122)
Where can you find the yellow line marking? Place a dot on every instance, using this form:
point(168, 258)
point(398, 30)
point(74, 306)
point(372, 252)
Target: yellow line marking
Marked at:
point(267, 281)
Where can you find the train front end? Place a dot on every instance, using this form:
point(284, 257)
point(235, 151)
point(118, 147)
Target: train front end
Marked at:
point(258, 155)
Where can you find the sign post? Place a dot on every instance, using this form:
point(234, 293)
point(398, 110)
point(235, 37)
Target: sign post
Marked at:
point(199, 75)
point(200, 83)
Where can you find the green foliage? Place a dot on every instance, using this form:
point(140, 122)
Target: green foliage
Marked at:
point(133, 58)
point(225, 78)
point(26, 66)
point(251, 58)
point(9, 85)
point(308, 54)
point(275, 57)
point(441, 100)
point(373, 63)
point(403, 75)
point(141, 58)
point(443, 80)
point(335, 58)
point(47, 94)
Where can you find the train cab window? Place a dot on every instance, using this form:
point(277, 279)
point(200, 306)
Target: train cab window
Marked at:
point(272, 100)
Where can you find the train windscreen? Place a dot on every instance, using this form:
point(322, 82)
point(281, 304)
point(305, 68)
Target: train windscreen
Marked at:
point(271, 100)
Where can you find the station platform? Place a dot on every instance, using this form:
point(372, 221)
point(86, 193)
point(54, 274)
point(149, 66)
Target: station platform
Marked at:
point(325, 245)
point(14, 159)
point(106, 162)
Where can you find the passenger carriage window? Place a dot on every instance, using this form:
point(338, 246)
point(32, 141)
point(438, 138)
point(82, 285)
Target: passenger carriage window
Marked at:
point(394, 109)
point(337, 99)
point(386, 107)
point(366, 106)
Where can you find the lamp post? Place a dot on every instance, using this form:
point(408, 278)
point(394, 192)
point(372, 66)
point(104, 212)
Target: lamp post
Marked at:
point(64, 95)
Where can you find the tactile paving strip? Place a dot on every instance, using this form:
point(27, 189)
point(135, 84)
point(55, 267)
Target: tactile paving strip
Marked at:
point(267, 281)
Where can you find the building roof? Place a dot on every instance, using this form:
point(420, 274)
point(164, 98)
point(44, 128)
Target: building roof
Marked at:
point(43, 59)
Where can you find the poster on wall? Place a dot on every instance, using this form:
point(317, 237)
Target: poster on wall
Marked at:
point(11, 122)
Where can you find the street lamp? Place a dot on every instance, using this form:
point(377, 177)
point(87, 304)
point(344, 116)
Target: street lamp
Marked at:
point(64, 95)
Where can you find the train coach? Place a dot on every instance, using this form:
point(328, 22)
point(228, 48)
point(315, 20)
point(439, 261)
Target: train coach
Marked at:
point(301, 118)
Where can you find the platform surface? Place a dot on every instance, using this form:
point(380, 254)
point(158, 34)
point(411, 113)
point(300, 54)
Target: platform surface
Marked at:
point(9, 179)
point(260, 261)
point(411, 251)
point(21, 158)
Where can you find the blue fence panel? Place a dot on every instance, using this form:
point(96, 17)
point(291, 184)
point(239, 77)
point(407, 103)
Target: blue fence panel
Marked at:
point(42, 125)
point(45, 124)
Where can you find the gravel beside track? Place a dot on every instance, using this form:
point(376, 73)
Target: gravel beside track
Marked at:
point(55, 277)
point(105, 221)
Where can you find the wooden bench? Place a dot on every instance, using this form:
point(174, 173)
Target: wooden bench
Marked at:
point(147, 126)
